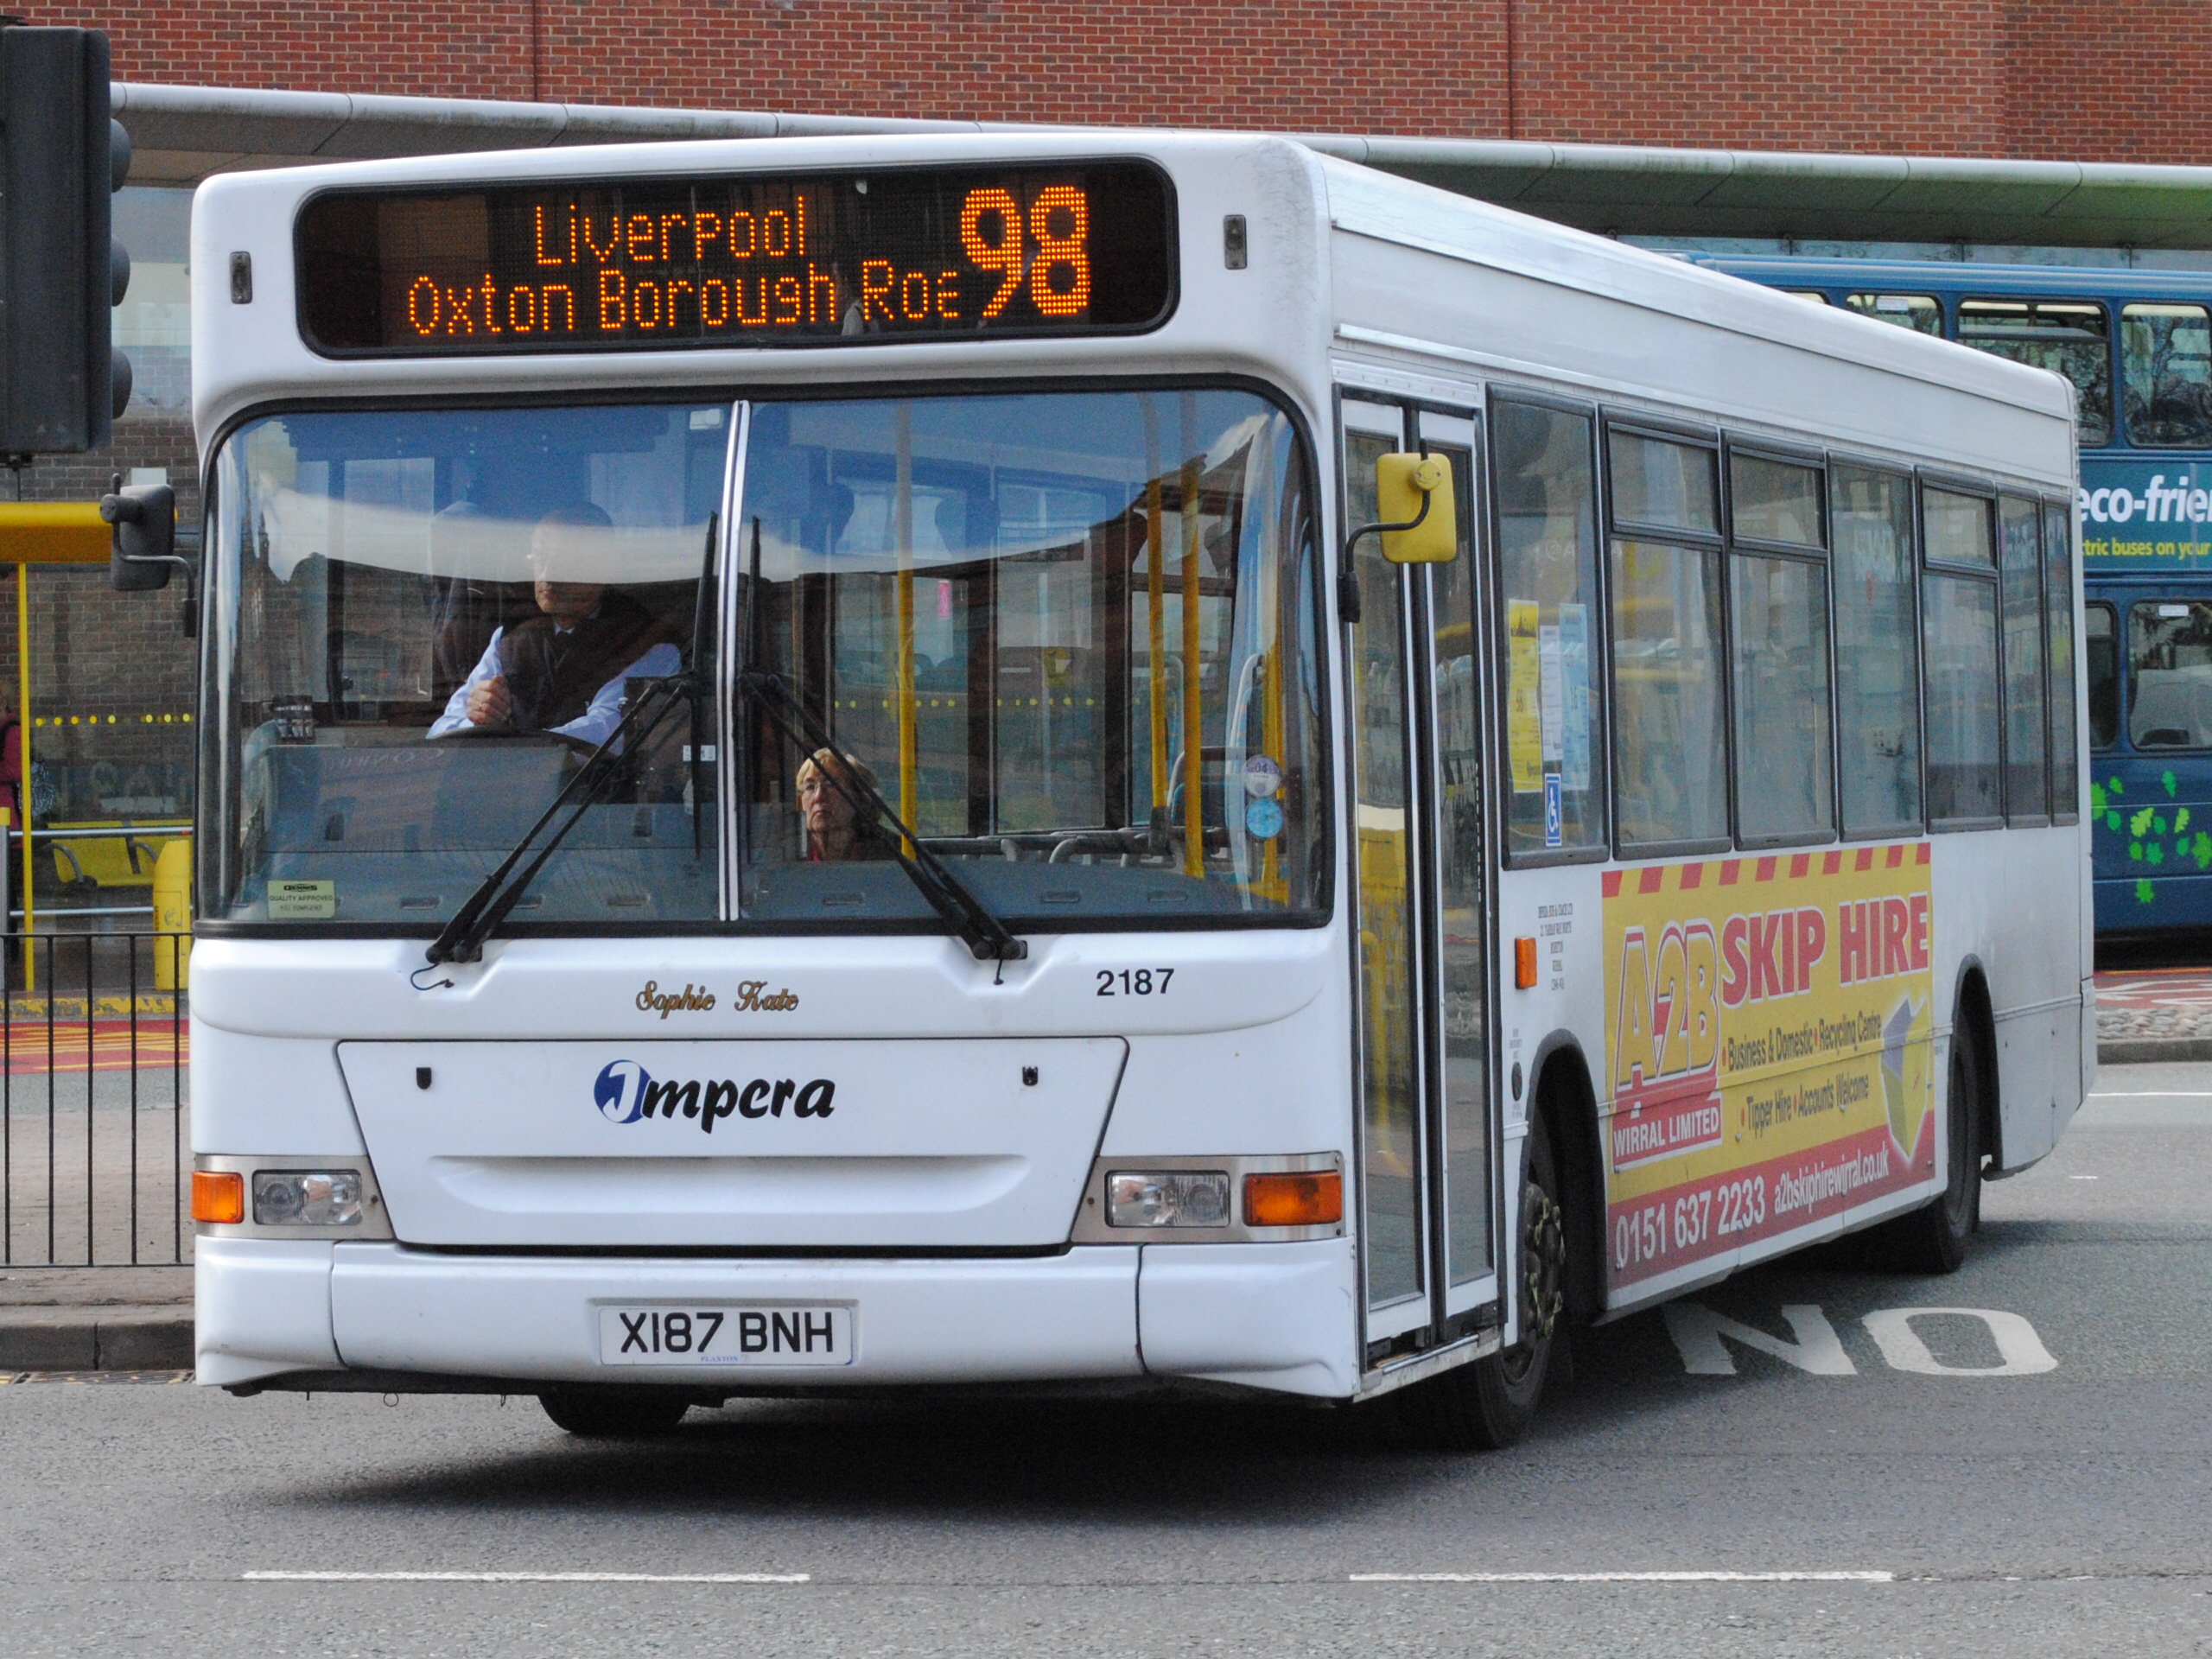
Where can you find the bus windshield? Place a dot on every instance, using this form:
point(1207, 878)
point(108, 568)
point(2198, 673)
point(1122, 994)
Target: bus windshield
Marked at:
point(1069, 637)
point(421, 621)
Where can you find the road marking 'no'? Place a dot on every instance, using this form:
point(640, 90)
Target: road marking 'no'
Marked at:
point(1701, 1337)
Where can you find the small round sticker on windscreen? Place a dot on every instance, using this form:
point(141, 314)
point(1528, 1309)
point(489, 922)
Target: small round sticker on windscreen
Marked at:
point(1262, 778)
point(1263, 820)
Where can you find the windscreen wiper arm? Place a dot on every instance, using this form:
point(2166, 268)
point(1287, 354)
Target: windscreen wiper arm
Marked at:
point(987, 938)
point(496, 896)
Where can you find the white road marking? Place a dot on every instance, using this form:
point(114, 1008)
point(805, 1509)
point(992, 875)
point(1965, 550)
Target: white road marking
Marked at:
point(1697, 1331)
point(1625, 1577)
point(528, 1577)
point(2020, 1352)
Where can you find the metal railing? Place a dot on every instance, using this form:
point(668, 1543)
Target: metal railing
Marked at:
point(95, 1133)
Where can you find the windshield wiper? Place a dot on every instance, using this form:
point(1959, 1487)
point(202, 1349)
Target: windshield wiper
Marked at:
point(970, 920)
point(496, 896)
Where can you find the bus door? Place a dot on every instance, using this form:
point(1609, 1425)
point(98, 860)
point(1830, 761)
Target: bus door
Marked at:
point(1427, 1142)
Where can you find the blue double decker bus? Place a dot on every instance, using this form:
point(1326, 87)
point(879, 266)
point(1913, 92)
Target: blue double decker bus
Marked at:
point(2138, 347)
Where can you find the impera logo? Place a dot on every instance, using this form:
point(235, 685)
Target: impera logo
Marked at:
point(625, 1092)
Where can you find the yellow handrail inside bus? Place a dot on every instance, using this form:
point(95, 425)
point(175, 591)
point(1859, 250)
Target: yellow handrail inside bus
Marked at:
point(1194, 835)
point(1154, 605)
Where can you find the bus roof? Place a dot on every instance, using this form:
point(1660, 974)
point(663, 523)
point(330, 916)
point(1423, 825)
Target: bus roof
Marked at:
point(1675, 331)
point(1949, 275)
point(1525, 295)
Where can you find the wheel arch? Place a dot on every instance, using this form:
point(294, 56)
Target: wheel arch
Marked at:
point(1560, 1094)
point(1974, 1019)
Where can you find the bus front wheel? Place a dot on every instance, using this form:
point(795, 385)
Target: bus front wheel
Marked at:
point(615, 1413)
point(1489, 1404)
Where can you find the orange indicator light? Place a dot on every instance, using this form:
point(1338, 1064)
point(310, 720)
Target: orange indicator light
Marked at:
point(218, 1196)
point(1524, 964)
point(1313, 1199)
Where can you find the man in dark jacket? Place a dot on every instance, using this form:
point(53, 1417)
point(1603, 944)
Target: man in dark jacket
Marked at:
point(563, 670)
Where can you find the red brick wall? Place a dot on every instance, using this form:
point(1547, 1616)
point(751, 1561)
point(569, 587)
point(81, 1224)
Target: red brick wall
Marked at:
point(2115, 80)
point(2121, 81)
point(2110, 81)
point(1883, 76)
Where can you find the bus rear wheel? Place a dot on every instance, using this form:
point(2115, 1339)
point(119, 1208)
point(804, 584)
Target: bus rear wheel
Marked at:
point(1933, 1238)
point(1489, 1404)
point(615, 1414)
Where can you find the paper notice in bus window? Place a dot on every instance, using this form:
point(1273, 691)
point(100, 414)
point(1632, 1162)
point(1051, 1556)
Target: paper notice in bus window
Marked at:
point(1574, 680)
point(1548, 703)
point(1771, 1063)
point(302, 901)
point(1524, 739)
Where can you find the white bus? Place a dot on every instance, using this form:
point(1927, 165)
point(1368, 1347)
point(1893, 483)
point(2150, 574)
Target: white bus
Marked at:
point(818, 775)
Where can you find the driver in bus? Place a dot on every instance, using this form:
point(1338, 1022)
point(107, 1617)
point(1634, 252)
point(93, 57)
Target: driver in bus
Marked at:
point(836, 831)
point(563, 670)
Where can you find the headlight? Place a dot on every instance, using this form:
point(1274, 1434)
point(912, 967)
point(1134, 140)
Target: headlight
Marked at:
point(307, 1197)
point(1178, 1198)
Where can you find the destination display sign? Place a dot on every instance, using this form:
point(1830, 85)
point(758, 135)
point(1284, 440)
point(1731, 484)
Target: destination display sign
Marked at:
point(662, 264)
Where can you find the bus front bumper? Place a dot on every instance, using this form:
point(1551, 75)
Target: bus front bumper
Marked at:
point(1271, 1316)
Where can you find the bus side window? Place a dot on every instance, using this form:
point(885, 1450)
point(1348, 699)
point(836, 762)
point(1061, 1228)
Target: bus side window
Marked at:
point(1547, 494)
point(2058, 614)
point(1959, 626)
point(2069, 337)
point(1919, 312)
point(2027, 722)
point(1669, 743)
point(1877, 658)
point(2170, 675)
point(1778, 644)
point(2166, 355)
point(2101, 645)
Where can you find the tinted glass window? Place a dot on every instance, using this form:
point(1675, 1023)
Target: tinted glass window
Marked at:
point(1914, 311)
point(2170, 675)
point(2058, 611)
point(2101, 653)
point(419, 621)
point(1382, 792)
point(1778, 615)
point(2026, 721)
point(1658, 482)
point(1547, 497)
point(1070, 634)
point(1876, 653)
point(2069, 337)
point(1957, 529)
point(1775, 501)
point(1962, 700)
point(2166, 353)
point(1669, 753)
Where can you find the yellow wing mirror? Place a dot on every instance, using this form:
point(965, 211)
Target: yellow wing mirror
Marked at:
point(1420, 522)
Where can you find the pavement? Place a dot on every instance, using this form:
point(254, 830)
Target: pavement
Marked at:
point(95, 1319)
point(2148, 1015)
point(1813, 1457)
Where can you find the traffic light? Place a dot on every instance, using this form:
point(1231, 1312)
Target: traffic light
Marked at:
point(62, 383)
